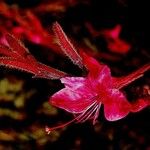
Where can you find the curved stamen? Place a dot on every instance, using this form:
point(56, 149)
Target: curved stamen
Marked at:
point(96, 114)
point(49, 129)
point(87, 113)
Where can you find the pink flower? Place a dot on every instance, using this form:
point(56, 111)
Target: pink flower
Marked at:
point(112, 36)
point(83, 96)
point(114, 42)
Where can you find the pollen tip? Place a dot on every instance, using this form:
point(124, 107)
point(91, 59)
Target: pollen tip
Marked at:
point(48, 130)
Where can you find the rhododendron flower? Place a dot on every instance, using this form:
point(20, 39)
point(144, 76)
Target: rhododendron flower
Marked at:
point(86, 94)
point(83, 96)
point(112, 36)
point(114, 42)
point(24, 23)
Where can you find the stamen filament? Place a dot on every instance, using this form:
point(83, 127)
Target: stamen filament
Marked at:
point(96, 114)
point(49, 129)
point(80, 118)
point(84, 112)
point(88, 114)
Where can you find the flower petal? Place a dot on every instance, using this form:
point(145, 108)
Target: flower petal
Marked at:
point(73, 82)
point(103, 80)
point(98, 73)
point(91, 64)
point(139, 105)
point(116, 106)
point(71, 101)
point(76, 97)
